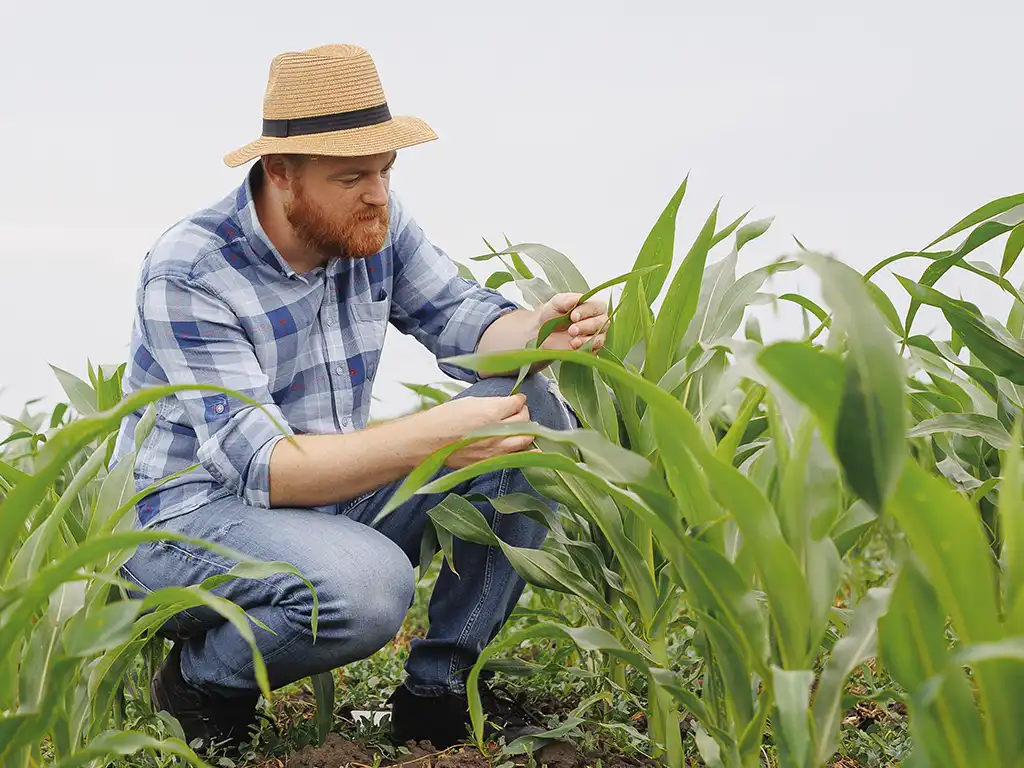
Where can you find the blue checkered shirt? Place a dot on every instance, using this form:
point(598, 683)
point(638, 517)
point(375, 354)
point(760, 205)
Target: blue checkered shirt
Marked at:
point(217, 304)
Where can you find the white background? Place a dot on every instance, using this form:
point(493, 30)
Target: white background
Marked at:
point(865, 133)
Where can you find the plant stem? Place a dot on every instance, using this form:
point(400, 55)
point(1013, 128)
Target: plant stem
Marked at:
point(663, 711)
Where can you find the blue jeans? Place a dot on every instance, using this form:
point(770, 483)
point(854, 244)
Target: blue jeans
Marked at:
point(363, 577)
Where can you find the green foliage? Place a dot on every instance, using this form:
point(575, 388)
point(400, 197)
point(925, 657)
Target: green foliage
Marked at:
point(72, 640)
point(735, 479)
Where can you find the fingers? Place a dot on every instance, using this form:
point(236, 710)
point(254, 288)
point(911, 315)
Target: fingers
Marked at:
point(589, 326)
point(522, 415)
point(593, 343)
point(592, 308)
point(515, 444)
point(511, 405)
point(563, 302)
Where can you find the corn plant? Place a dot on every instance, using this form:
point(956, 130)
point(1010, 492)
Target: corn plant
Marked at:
point(73, 647)
point(724, 480)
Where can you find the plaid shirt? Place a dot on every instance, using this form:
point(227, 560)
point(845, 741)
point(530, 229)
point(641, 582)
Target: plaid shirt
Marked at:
point(217, 304)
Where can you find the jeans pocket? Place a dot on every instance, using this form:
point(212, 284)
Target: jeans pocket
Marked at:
point(347, 506)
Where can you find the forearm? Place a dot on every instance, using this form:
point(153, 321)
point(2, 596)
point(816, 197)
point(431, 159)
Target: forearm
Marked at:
point(315, 470)
point(510, 332)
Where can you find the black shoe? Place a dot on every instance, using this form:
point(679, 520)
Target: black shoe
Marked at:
point(444, 720)
point(215, 719)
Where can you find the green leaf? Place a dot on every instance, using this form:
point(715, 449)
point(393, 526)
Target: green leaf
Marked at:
point(851, 526)
point(28, 559)
point(812, 376)
point(944, 718)
point(323, 691)
point(985, 212)
point(43, 645)
point(946, 534)
point(128, 743)
point(730, 658)
point(538, 567)
point(884, 305)
point(968, 425)
point(992, 345)
point(987, 274)
point(564, 321)
point(1015, 321)
point(787, 590)
point(16, 508)
point(719, 589)
point(981, 376)
point(679, 306)
point(1014, 245)
point(854, 648)
point(590, 639)
point(615, 462)
point(658, 248)
point(81, 395)
point(498, 279)
point(559, 270)
point(115, 491)
point(809, 305)
point(427, 392)
point(792, 730)
point(588, 395)
point(32, 595)
point(464, 271)
point(145, 426)
point(1011, 519)
point(519, 264)
point(736, 492)
point(104, 627)
point(978, 237)
point(752, 231)
point(57, 417)
point(870, 431)
point(722, 234)
point(728, 315)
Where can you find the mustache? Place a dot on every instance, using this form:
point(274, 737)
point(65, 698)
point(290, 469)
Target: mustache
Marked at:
point(373, 214)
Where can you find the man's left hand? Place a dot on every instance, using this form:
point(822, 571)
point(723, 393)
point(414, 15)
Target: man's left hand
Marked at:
point(589, 321)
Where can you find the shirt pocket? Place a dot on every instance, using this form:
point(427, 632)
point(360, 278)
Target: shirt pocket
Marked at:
point(369, 325)
point(371, 311)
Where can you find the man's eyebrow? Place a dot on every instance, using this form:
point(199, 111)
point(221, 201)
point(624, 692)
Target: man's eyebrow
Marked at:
point(357, 170)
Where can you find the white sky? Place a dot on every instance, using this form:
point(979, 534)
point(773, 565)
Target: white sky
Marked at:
point(571, 123)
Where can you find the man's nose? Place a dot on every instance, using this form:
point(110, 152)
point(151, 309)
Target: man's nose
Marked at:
point(376, 193)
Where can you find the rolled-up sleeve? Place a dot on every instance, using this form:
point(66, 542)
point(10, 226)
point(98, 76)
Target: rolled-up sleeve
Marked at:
point(441, 309)
point(197, 339)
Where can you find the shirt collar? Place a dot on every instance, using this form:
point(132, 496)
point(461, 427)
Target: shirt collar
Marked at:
point(249, 223)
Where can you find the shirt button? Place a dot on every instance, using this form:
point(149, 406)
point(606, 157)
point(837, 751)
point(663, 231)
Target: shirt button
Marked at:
point(345, 421)
point(339, 370)
point(330, 321)
point(218, 408)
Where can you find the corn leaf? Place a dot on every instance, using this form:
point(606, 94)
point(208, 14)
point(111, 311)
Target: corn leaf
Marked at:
point(679, 306)
point(869, 436)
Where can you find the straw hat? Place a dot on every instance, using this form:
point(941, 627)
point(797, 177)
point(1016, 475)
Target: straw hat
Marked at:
point(329, 101)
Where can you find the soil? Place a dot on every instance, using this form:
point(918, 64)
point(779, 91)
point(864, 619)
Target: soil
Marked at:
point(338, 752)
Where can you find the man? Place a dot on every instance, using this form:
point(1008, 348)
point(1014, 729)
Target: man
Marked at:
point(283, 292)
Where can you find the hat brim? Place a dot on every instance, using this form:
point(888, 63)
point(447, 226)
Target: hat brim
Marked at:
point(397, 133)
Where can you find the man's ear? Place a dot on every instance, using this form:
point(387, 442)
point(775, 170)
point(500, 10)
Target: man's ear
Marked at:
point(279, 171)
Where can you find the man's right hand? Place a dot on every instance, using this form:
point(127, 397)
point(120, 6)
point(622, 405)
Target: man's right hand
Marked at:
point(457, 418)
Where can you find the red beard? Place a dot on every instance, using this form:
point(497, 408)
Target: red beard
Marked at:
point(357, 236)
